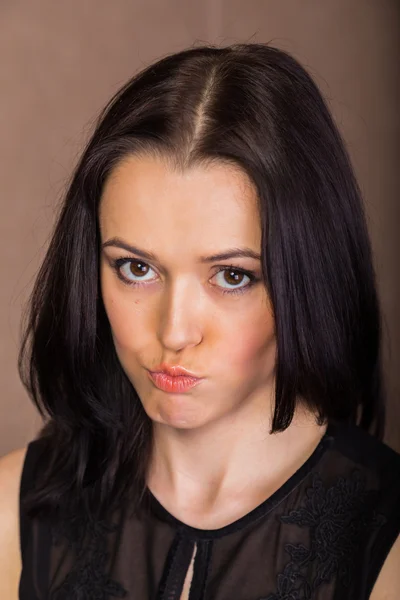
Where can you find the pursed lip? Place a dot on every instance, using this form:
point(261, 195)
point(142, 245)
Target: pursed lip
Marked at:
point(174, 371)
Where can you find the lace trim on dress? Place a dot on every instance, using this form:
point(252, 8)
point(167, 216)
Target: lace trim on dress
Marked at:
point(337, 517)
point(88, 579)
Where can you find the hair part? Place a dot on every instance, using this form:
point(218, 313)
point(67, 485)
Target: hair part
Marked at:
point(252, 106)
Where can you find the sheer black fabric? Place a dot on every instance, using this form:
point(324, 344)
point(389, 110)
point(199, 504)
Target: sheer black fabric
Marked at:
point(324, 534)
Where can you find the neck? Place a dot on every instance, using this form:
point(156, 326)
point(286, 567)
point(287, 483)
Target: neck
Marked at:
point(207, 464)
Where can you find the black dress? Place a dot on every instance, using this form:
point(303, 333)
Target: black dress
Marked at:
point(324, 534)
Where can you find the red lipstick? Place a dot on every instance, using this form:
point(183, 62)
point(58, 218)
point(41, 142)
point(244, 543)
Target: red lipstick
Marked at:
point(170, 378)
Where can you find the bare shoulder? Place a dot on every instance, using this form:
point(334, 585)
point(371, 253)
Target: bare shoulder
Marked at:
point(10, 560)
point(387, 586)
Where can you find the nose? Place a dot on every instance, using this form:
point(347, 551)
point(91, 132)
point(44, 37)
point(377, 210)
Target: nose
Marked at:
point(180, 321)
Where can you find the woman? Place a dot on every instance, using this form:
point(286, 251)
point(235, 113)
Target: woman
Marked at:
point(204, 343)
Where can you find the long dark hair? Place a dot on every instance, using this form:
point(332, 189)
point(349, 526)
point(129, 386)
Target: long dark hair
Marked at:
point(253, 106)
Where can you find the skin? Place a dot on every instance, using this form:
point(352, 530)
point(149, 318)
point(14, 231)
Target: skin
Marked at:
point(211, 444)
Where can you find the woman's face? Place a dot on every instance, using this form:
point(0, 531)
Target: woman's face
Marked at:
point(176, 308)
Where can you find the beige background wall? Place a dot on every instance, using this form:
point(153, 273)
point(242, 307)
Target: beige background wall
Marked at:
point(61, 61)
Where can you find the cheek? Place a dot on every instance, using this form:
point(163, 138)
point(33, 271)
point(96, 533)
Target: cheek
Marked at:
point(124, 315)
point(127, 326)
point(251, 346)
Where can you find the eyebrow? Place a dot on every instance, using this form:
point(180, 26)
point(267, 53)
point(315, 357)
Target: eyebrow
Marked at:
point(230, 253)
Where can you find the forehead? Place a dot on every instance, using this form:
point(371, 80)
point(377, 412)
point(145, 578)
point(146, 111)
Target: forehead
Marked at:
point(146, 199)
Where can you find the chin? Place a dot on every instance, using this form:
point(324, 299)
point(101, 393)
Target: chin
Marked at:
point(176, 419)
point(178, 422)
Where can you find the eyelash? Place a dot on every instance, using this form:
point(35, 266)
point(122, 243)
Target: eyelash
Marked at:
point(120, 262)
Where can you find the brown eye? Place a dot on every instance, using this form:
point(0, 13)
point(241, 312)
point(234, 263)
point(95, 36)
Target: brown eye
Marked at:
point(129, 269)
point(137, 268)
point(233, 277)
point(229, 276)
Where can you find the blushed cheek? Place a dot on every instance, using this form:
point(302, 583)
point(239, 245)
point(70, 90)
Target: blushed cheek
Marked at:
point(251, 350)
